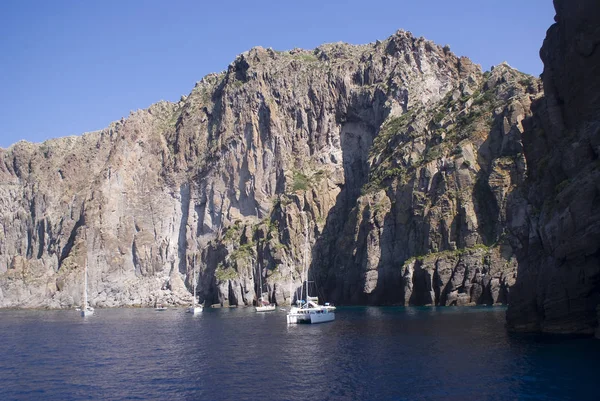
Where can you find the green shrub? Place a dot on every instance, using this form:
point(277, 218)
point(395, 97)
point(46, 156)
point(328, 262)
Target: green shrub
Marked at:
point(300, 182)
point(528, 81)
point(244, 251)
point(224, 274)
point(389, 129)
point(438, 117)
point(310, 58)
point(433, 153)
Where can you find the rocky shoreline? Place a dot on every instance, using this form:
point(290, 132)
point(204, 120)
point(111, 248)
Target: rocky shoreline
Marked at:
point(345, 161)
point(395, 173)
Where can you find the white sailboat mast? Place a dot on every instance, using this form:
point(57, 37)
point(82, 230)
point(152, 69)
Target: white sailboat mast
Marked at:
point(306, 281)
point(259, 286)
point(291, 284)
point(194, 301)
point(85, 294)
point(306, 248)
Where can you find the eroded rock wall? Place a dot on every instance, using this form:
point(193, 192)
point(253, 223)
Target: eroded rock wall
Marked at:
point(558, 285)
point(369, 166)
point(443, 181)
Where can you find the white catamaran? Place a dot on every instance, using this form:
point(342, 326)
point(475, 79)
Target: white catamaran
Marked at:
point(86, 310)
point(195, 308)
point(309, 311)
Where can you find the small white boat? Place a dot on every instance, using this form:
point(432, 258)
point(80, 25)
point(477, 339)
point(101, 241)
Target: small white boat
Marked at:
point(309, 311)
point(195, 309)
point(159, 307)
point(89, 311)
point(265, 308)
point(262, 305)
point(86, 310)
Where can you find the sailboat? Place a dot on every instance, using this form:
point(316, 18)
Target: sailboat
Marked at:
point(195, 308)
point(86, 310)
point(159, 307)
point(309, 311)
point(263, 306)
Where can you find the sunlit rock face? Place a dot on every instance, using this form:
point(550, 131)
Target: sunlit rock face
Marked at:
point(392, 172)
point(558, 287)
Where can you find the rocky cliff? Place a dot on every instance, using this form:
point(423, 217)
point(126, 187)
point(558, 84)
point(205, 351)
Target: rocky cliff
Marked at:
point(393, 172)
point(558, 286)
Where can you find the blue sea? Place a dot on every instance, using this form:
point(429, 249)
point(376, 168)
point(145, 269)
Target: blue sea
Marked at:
point(368, 353)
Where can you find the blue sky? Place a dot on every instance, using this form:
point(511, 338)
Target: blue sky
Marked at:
point(73, 66)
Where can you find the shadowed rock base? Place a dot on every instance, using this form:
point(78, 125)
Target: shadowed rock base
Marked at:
point(558, 284)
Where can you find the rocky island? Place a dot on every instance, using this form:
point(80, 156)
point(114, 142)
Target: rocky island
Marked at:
point(396, 173)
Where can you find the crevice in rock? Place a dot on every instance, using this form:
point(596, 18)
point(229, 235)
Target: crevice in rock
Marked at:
point(232, 300)
point(29, 251)
point(437, 285)
point(30, 236)
point(356, 140)
point(486, 209)
point(422, 287)
point(71, 241)
point(184, 192)
point(135, 259)
point(41, 229)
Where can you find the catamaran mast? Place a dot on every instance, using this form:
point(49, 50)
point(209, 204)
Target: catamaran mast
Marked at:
point(259, 295)
point(291, 284)
point(306, 247)
point(194, 300)
point(306, 280)
point(85, 295)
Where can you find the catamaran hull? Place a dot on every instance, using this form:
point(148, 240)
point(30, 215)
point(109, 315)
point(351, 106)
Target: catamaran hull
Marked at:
point(310, 318)
point(195, 310)
point(322, 317)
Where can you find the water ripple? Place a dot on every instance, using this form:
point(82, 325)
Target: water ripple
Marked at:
point(367, 353)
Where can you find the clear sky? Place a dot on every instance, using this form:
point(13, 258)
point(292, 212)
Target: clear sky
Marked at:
point(73, 66)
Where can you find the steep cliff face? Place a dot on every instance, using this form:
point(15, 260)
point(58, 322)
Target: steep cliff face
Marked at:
point(558, 287)
point(104, 198)
point(436, 221)
point(389, 170)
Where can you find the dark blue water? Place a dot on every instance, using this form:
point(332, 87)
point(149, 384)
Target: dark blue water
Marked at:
point(237, 354)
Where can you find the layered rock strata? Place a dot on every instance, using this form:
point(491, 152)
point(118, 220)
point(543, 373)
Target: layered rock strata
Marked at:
point(390, 171)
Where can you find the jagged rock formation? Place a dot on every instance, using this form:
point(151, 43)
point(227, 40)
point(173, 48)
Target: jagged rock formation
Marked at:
point(390, 170)
point(442, 178)
point(558, 287)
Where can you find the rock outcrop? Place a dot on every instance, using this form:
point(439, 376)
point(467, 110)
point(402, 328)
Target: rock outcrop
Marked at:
point(558, 285)
point(443, 181)
point(391, 171)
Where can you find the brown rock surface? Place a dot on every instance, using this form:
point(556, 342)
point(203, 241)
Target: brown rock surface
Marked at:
point(349, 160)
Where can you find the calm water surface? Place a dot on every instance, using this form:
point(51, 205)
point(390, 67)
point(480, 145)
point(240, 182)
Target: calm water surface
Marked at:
point(237, 354)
